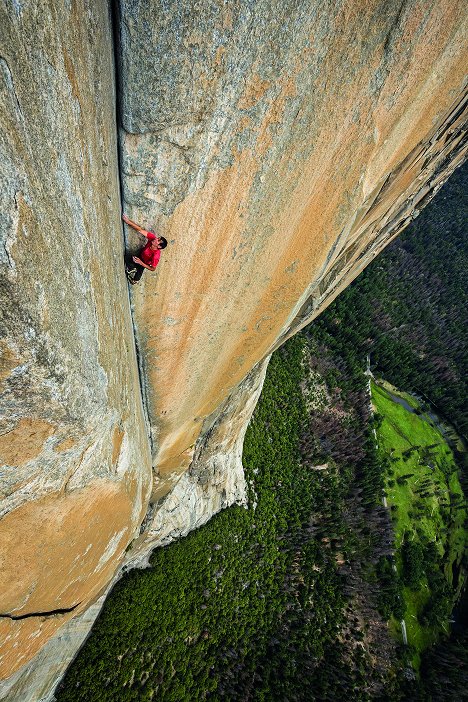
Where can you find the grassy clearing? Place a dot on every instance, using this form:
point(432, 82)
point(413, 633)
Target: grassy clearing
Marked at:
point(426, 499)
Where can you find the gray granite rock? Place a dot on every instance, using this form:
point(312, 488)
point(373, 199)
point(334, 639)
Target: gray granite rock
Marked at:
point(74, 452)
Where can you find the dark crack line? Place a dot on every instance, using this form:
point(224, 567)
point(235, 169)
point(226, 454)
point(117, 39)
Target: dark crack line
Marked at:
point(115, 23)
point(10, 75)
point(393, 29)
point(51, 613)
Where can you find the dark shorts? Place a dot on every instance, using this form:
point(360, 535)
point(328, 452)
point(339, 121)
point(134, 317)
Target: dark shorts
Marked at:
point(132, 269)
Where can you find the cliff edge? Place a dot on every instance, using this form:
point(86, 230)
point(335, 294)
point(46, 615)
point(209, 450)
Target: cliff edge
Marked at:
point(278, 146)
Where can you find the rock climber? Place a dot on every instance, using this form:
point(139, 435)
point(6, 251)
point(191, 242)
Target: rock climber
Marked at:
point(149, 255)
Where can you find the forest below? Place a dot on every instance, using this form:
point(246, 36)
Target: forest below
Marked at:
point(290, 600)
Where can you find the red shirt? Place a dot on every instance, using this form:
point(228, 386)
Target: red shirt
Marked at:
point(147, 255)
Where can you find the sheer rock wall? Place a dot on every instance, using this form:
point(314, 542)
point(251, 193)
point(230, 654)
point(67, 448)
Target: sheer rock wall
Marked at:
point(278, 146)
point(74, 458)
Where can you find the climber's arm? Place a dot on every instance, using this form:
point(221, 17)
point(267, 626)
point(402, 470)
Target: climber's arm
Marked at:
point(137, 227)
point(142, 263)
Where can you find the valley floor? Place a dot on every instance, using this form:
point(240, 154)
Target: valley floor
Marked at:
point(423, 491)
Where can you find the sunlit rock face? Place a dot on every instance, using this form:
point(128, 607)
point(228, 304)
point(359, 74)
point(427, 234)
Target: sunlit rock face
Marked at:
point(74, 461)
point(215, 478)
point(278, 146)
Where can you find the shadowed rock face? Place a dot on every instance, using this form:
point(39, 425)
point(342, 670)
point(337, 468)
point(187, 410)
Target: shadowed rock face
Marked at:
point(75, 470)
point(278, 146)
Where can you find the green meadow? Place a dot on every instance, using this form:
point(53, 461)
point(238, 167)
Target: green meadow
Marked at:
point(423, 491)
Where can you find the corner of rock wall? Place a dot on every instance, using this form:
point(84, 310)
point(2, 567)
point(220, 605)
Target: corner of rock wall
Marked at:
point(278, 147)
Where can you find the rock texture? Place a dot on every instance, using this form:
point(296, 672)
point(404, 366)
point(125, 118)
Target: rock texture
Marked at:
point(215, 478)
point(278, 146)
point(36, 681)
point(74, 460)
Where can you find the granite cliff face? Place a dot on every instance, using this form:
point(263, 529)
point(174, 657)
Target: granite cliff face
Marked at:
point(75, 473)
point(278, 146)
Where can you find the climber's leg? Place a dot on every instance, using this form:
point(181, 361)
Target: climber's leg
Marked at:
point(130, 266)
point(136, 274)
point(129, 263)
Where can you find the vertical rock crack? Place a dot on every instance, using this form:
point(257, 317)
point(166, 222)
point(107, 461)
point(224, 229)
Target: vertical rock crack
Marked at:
point(115, 24)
